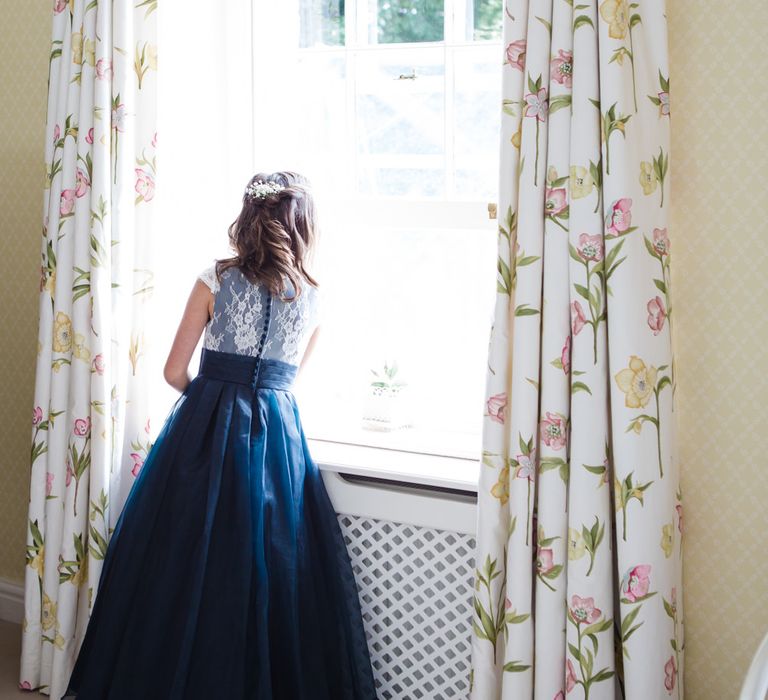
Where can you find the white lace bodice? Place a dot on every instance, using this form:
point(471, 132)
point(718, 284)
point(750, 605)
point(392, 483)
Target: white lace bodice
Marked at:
point(239, 313)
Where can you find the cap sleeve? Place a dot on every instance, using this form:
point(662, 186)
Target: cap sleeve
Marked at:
point(208, 276)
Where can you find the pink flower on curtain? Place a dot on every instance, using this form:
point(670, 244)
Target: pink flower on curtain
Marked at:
point(26, 685)
point(661, 241)
point(578, 319)
point(590, 247)
point(553, 431)
point(526, 466)
point(60, 6)
point(119, 114)
point(565, 356)
point(497, 407)
point(82, 426)
point(89, 137)
point(146, 427)
point(664, 103)
point(145, 185)
point(570, 676)
point(104, 69)
point(656, 315)
point(636, 583)
point(67, 202)
point(82, 183)
point(619, 218)
point(97, 365)
point(670, 674)
point(555, 201)
point(544, 560)
point(516, 54)
point(138, 463)
point(584, 610)
point(561, 68)
point(537, 104)
point(560, 696)
point(48, 483)
point(37, 415)
point(56, 133)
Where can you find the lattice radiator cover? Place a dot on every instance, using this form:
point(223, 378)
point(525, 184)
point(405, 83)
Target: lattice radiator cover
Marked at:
point(415, 586)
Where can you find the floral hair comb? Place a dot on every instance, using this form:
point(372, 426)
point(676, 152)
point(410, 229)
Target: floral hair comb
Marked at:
point(261, 190)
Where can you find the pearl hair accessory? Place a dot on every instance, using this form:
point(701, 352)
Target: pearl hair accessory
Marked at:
point(261, 190)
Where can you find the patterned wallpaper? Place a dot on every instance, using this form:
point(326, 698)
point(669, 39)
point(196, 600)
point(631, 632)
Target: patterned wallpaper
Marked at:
point(720, 292)
point(720, 288)
point(24, 43)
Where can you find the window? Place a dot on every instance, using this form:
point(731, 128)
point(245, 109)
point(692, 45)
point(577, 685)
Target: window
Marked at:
point(392, 109)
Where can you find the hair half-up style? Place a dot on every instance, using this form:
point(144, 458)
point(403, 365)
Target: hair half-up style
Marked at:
point(274, 234)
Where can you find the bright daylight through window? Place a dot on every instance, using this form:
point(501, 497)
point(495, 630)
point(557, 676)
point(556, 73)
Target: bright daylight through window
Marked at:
point(391, 108)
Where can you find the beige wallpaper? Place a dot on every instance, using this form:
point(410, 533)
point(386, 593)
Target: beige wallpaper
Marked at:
point(25, 35)
point(720, 150)
point(720, 287)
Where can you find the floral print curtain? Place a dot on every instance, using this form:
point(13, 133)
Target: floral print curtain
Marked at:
point(579, 562)
point(90, 430)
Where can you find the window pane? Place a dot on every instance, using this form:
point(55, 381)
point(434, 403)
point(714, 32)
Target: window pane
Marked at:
point(420, 299)
point(400, 138)
point(477, 113)
point(487, 20)
point(407, 21)
point(322, 23)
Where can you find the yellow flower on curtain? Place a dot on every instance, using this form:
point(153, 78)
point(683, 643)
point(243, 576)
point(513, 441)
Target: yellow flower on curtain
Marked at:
point(581, 182)
point(637, 382)
point(517, 136)
point(80, 349)
point(77, 48)
point(62, 333)
point(616, 14)
point(500, 489)
point(667, 539)
point(37, 562)
point(576, 545)
point(48, 618)
point(648, 178)
point(89, 52)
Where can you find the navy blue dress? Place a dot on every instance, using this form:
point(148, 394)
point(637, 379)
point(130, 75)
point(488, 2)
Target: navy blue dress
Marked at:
point(226, 576)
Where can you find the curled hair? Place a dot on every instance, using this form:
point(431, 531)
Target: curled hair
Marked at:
point(273, 236)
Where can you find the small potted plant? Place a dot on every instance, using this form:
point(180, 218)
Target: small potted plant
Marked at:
point(384, 406)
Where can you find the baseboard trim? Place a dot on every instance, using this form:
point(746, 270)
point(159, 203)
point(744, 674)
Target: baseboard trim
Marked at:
point(11, 601)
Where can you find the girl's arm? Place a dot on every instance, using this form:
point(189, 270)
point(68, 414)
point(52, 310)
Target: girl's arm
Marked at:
point(310, 347)
point(194, 320)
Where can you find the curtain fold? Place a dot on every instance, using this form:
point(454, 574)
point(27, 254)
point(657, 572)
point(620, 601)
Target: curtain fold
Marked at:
point(578, 586)
point(90, 425)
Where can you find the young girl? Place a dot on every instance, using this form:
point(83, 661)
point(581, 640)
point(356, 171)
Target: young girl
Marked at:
point(226, 576)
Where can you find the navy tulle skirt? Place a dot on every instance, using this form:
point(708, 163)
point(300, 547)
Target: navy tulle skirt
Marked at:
point(226, 576)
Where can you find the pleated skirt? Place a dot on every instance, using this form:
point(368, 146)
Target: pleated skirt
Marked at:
point(227, 575)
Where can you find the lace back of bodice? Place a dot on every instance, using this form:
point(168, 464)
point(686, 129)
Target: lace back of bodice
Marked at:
point(248, 320)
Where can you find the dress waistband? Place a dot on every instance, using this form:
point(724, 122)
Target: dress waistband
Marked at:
point(256, 372)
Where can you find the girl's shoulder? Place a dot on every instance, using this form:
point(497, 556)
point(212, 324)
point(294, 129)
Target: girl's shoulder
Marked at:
point(212, 280)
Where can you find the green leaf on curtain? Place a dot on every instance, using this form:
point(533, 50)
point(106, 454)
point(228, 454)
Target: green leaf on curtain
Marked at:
point(581, 20)
point(515, 667)
point(580, 386)
point(582, 290)
point(548, 25)
point(627, 621)
point(661, 286)
point(558, 102)
point(527, 260)
point(523, 310)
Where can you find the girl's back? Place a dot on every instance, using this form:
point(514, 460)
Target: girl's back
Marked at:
point(249, 320)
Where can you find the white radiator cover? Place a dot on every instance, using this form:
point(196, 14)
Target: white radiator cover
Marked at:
point(415, 585)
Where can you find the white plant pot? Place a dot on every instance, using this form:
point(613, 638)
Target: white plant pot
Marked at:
point(384, 410)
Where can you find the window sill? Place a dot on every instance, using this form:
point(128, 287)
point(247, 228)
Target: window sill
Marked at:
point(408, 468)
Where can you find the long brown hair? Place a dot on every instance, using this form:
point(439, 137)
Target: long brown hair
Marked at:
point(273, 236)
